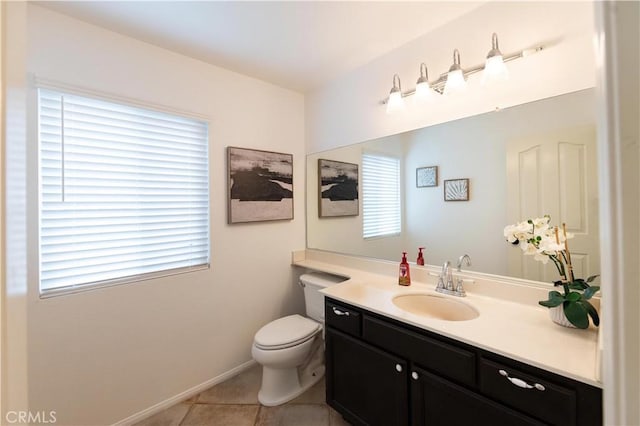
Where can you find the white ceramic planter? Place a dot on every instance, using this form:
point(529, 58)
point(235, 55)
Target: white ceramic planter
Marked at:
point(557, 316)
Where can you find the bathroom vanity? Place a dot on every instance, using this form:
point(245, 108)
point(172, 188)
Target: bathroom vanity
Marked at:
point(506, 365)
point(384, 372)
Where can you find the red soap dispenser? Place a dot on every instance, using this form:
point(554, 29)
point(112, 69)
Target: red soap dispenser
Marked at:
point(420, 260)
point(405, 275)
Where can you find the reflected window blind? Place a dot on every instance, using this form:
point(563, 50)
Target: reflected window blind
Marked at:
point(380, 195)
point(124, 192)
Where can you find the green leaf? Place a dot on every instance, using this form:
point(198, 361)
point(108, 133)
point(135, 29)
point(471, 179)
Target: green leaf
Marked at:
point(588, 293)
point(573, 296)
point(576, 314)
point(550, 303)
point(555, 299)
point(592, 312)
point(578, 284)
point(592, 277)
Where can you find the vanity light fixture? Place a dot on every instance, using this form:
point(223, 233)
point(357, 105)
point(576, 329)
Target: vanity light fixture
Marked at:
point(494, 67)
point(423, 88)
point(456, 78)
point(395, 101)
point(455, 82)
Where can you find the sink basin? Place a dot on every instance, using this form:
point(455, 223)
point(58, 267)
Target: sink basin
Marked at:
point(438, 307)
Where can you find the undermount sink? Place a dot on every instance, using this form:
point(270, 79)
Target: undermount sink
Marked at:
point(438, 307)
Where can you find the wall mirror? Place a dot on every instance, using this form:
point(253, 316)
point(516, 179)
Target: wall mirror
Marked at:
point(521, 162)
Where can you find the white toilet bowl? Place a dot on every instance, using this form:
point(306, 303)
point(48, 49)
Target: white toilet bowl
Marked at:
point(291, 349)
point(291, 352)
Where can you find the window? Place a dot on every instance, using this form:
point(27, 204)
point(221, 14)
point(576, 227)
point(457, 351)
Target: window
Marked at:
point(124, 193)
point(380, 195)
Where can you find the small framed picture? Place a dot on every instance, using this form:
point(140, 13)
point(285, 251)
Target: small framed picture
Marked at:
point(260, 185)
point(337, 188)
point(426, 176)
point(456, 189)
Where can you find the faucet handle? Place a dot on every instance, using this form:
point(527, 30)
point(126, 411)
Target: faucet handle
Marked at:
point(440, 283)
point(460, 288)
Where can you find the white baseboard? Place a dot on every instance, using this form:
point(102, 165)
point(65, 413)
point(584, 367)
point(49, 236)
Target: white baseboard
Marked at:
point(182, 396)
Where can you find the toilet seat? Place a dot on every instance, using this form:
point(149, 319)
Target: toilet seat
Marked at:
point(286, 332)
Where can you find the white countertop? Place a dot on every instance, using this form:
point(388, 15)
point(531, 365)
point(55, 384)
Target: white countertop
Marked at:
point(521, 331)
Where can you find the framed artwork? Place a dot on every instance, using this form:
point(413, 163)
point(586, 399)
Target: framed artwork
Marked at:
point(426, 176)
point(337, 188)
point(456, 189)
point(260, 185)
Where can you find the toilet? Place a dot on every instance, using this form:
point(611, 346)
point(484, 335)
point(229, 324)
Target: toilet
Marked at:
point(291, 349)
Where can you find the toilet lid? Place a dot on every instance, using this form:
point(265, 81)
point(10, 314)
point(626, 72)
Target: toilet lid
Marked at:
point(286, 332)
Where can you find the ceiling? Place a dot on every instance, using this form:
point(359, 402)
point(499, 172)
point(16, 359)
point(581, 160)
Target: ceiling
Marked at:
point(299, 45)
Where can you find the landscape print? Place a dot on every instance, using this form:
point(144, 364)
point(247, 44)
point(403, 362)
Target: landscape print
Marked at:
point(338, 188)
point(260, 185)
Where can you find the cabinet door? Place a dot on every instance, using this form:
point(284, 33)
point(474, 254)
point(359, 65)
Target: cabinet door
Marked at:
point(436, 401)
point(366, 385)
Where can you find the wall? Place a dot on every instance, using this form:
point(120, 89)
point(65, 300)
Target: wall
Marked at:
point(100, 356)
point(348, 109)
point(617, 47)
point(14, 320)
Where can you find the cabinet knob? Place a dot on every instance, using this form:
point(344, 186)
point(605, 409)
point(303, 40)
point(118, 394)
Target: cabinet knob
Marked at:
point(521, 383)
point(398, 368)
point(414, 376)
point(339, 312)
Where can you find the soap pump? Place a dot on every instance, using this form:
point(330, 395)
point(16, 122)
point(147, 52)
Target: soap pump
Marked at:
point(420, 260)
point(405, 275)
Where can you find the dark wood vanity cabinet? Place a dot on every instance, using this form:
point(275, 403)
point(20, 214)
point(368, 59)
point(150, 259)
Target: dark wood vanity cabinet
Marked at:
point(384, 372)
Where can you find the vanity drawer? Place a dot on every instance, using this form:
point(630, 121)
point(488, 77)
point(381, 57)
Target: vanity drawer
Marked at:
point(536, 396)
point(343, 318)
point(447, 360)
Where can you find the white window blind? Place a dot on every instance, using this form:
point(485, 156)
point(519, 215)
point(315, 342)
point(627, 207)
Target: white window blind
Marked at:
point(124, 192)
point(381, 212)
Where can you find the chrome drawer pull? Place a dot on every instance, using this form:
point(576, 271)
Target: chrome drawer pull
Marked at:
point(339, 312)
point(415, 376)
point(398, 368)
point(521, 383)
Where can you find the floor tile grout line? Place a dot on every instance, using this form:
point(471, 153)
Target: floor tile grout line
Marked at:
point(186, 415)
point(257, 417)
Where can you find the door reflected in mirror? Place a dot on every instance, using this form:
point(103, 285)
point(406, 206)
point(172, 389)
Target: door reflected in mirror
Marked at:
point(521, 162)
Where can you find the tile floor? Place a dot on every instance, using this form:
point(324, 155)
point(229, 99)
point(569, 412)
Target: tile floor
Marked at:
point(235, 403)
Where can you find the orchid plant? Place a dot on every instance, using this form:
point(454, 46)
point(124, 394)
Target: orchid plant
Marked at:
point(537, 238)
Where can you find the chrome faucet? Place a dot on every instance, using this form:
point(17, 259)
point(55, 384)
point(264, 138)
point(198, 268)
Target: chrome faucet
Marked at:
point(445, 281)
point(445, 276)
point(459, 288)
point(461, 259)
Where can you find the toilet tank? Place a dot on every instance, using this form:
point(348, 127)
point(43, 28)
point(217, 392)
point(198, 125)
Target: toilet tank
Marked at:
point(313, 299)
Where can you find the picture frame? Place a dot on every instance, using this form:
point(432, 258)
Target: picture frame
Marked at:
point(260, 185)
point(337, 189)
point(426, 177)
point(456, 189)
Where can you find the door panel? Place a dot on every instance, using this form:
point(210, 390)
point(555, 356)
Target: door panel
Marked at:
point(366, 385)
point(437, 402)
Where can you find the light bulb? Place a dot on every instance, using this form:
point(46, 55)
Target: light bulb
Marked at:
point(455, 82)
point(455, 78)
point(494, 70)
point(395, 102)
point(423, 93)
